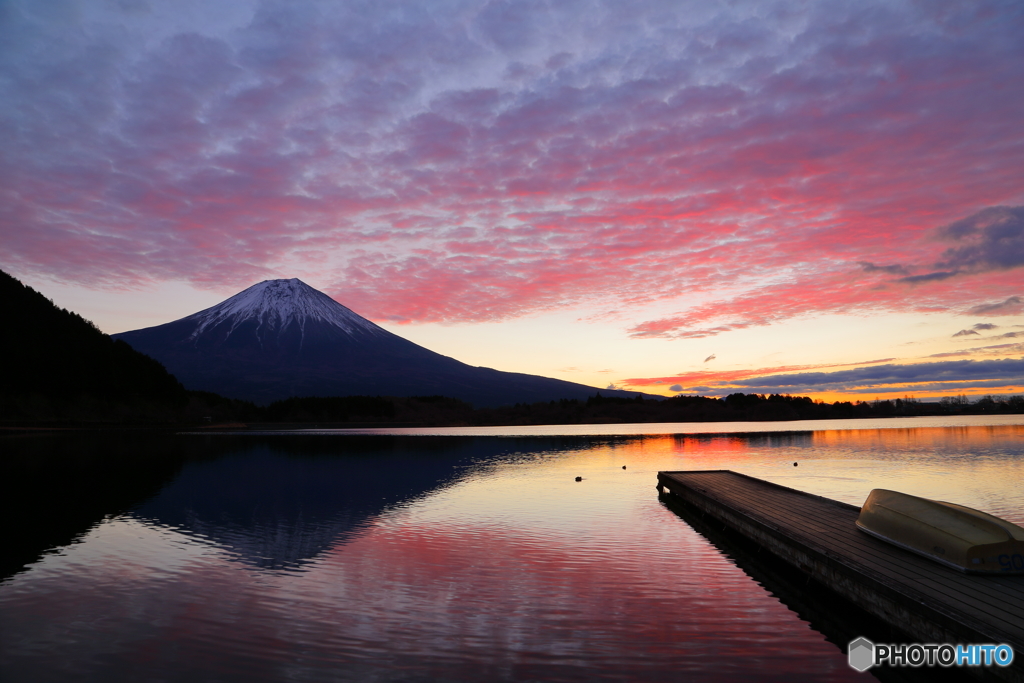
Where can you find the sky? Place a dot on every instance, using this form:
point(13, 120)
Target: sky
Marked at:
point(812, 198)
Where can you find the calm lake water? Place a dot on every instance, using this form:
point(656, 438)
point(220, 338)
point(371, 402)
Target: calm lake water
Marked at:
point(438, 555)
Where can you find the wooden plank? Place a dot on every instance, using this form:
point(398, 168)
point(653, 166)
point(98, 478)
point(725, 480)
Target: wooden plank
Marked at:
point(888, 562)
point(930, 602)
point(770, 503)
point(832, 530)
point(839, 532)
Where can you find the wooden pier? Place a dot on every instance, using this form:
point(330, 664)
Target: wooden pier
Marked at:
point(925, 600)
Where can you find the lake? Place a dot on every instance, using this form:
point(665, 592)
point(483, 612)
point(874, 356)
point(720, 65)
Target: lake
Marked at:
point(440, 555)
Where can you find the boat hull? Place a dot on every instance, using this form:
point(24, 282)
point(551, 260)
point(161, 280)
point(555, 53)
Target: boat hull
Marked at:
point(959, 537)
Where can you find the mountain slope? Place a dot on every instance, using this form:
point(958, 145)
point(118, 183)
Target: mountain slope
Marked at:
point(57, 365)
point(282, 338)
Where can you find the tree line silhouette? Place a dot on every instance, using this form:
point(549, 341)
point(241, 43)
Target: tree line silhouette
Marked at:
point(58, 365)
point(440, 411)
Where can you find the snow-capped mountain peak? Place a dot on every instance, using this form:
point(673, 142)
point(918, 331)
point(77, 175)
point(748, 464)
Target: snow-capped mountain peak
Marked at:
point(277, 304)
point(282, 338)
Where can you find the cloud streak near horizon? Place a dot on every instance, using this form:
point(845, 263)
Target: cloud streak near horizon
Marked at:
point(939, 377)
point(478, 161)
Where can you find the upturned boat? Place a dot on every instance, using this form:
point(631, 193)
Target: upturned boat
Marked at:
point(957, 536)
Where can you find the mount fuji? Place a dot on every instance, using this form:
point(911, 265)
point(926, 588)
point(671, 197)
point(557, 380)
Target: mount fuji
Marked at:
point(282, 338)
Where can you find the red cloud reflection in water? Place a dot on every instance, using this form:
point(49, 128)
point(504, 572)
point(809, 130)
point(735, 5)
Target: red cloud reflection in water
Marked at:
point(497, 595)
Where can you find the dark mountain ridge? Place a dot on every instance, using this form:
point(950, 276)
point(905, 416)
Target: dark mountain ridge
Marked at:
point(57, 365)
point(282, 338)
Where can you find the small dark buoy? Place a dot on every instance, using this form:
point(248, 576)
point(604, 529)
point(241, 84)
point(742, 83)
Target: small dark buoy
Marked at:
point(579, 478)
point(623, 467)
point(794, 464)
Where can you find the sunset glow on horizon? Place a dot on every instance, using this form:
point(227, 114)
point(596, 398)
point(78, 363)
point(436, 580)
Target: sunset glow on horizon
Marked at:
point(819, 199)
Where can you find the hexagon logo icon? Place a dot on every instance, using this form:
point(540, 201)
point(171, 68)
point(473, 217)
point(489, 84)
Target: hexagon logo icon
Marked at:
point(861, 653)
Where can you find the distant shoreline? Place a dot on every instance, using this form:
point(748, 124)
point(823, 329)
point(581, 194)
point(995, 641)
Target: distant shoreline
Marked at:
point(439, 412)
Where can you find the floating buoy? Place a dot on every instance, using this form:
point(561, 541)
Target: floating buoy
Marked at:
point(623, 467)
point(794, 464)
point(579, 478)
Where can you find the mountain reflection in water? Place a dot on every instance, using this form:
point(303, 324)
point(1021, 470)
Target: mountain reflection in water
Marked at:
point(277, 504)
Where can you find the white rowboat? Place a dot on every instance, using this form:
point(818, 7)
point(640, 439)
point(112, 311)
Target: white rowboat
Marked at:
point(957, 536)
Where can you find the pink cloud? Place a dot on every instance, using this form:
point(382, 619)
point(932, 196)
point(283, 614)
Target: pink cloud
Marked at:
point(483, 164)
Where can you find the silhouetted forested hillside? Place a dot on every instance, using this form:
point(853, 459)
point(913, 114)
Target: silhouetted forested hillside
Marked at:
point(58, 366)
